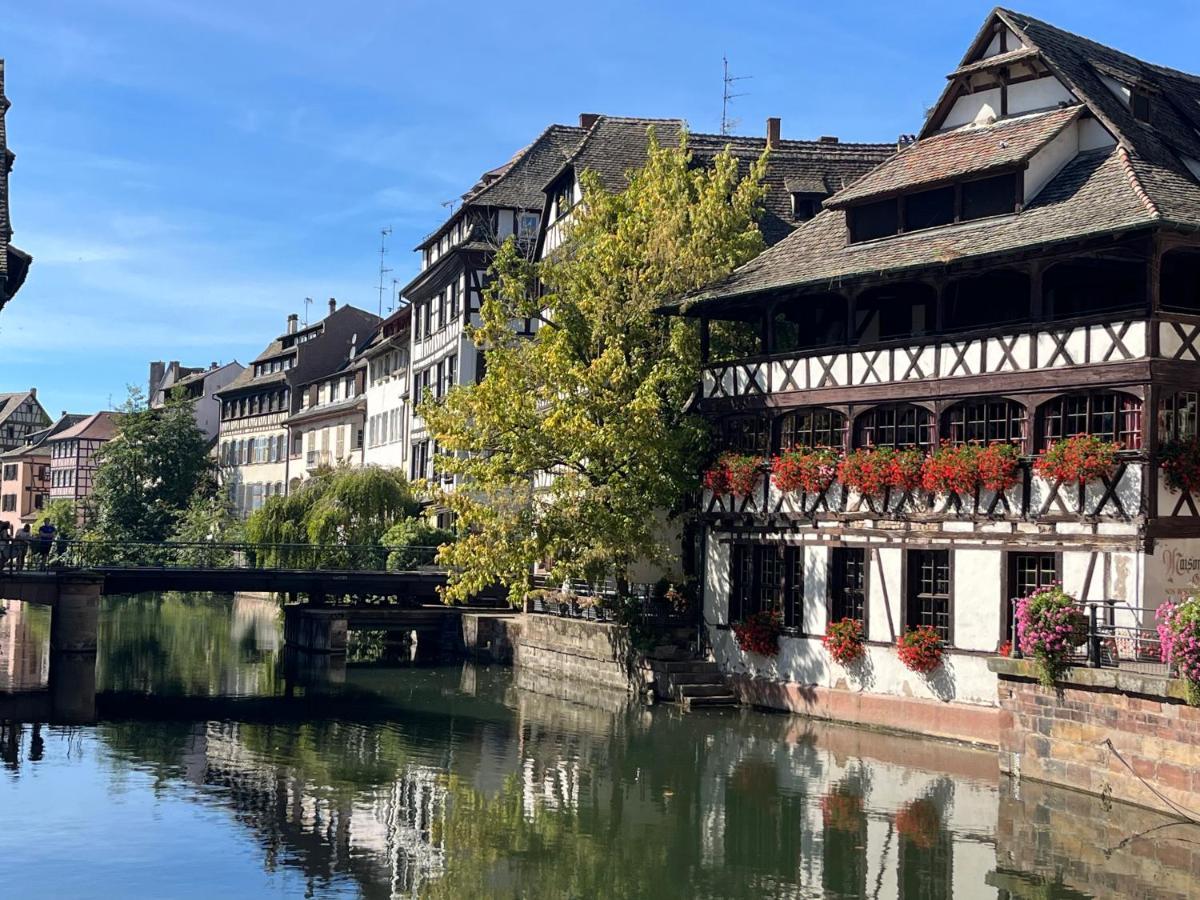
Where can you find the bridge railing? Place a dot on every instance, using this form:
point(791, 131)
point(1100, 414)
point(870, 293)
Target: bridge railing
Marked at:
point(87, 553)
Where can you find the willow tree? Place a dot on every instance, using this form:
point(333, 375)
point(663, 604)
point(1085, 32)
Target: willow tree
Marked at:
point(591, 410)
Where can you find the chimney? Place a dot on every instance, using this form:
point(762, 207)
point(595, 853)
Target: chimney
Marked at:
point(33, 393)
point(772, 132)
point(213, 364)
point(587, 120)
point(293, 321)
point(827, 139)
point(332, 305)
point(157, 370)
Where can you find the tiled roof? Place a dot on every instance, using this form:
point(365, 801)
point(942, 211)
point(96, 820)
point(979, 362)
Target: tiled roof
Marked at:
point(10, 403)
point(617, 145)
point(965, 151)
point(97, 426)
point(35, 439)
point(353, 404)
point(1094, 193)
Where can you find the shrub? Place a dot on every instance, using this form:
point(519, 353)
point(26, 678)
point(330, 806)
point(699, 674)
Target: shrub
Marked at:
point(413, 542)
point(1050, 624)
point(1181, 465)
point(920, 649)
point(759, 633)
point(1081, 458)
point(811, 471)
point(844, 641)
point(1179, 642)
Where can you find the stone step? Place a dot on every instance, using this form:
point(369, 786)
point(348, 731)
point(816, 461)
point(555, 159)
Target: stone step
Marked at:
point(669, 653)
point(689, 665)
point(696, 678)
point(726, 701)
point(703, 690)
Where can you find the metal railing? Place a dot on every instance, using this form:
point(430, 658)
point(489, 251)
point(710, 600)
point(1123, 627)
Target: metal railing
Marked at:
point(603, 602)
point(61, 553)
point(1118, 636)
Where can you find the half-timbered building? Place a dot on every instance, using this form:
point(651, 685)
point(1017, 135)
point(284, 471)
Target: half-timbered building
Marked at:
point(74, 459)
point(21, 414)
point(1024, 270)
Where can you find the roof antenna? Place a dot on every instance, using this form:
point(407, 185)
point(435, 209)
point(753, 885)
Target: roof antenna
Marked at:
point(728, 124)
point(307, 304)
point(383, 269)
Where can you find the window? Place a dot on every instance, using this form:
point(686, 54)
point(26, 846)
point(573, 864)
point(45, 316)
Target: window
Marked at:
point(452, 292)
point(564, 198)
point(451, 372)
point(981, 301)
point(767, 577)
point(805, 205)
point(420, 460)
point(1087, 287)
point(1109, 416)
point(1177, 416)
point(1179, 281)
point(899, 427)
point(873, 220)
point(848, 584)
point(746, 434)
point(9, 503)
point(528, 225)
point(356, 439)
point(989, 197)
point(416, 322)
point(10, 471)
point(985, 422)
point(1139, 104)
point(812, 428)
point(333, 391)
point(1027, 572)
point(39, 501)
point(928, 601)
point(895, 311)
point(929, 209)
point(809, 321)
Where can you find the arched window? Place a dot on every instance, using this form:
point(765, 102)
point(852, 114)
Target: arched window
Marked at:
point(902, 426)
point(984, 422)
point(746, 434)
point(812, 428)
point(1177, 416)
point(1108, 415)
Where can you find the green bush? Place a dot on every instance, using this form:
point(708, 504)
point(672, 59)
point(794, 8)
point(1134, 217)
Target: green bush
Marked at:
point(413, 542)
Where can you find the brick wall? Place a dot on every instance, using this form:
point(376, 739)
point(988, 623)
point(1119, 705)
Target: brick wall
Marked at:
point(1058, 735)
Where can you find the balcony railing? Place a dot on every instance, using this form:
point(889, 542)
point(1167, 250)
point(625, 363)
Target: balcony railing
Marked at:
point(1119, 636)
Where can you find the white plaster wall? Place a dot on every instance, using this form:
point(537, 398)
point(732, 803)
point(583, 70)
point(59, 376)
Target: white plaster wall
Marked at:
point(1011, 41)
point(884, 594)
point(1049, 160)
point(977, 598)
point(1093, 135)
point(1041, 93)
point(981, 106)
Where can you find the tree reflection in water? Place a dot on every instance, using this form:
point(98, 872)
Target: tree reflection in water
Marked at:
point(450, 783)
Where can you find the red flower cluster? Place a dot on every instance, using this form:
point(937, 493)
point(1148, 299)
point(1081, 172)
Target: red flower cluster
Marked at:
point(759, 633)
point(1081, 458)
point(1181, 465)
point(734, 473)
point(844, 641)
point(810, 471)
point(919, 822)
point(870, 471)
point(961, 469)
point(920, 649)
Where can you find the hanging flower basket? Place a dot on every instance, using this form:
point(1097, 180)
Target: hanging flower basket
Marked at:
point(998, 466)
point(1179, 642)
point(904, 470)
point(865, 471)
point(810, 471)
point(759, 633)
point(919, 822)
point(733, 473)
point(1050, 624)
point(951, 470)
point(1081, 459)
point(920, 649)
point(1181, 465)
point(844, 641)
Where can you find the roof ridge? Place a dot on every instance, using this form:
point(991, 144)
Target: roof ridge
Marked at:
point(1135, 182)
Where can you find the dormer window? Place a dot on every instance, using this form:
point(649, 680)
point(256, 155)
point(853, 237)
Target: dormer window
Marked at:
point(805, 205)
point(527, 225)
point(960, 202)
point(1139, 104)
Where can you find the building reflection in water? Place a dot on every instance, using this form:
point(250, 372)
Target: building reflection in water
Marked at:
point(473, 782)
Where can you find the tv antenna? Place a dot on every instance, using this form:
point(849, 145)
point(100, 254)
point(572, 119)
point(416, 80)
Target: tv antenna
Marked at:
point(395, 295)
point(727, 96)
point(450, 204)
point(383, 268)
point(307, 304)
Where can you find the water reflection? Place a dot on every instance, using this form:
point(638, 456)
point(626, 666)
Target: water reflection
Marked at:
point(466, 781)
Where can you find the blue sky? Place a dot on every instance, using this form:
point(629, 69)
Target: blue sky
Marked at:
point(188, 172)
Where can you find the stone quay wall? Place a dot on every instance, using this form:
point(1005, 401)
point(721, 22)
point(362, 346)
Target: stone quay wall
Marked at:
point(1108, 732)
point(577, 650)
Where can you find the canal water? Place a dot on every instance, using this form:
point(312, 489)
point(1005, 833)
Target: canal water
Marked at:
point(220, 768)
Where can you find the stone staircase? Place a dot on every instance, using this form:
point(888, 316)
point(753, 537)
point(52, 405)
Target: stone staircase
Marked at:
point(692, 683)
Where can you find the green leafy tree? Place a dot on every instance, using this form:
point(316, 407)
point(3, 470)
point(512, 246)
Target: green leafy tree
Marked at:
point(597, 397)
point(206, 529)
point(340, 508)
point(148, 474)
point(414, 541)
point(63, 514)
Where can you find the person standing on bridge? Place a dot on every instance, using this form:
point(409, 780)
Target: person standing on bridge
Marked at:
point(21, 544)
point(45, 541)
